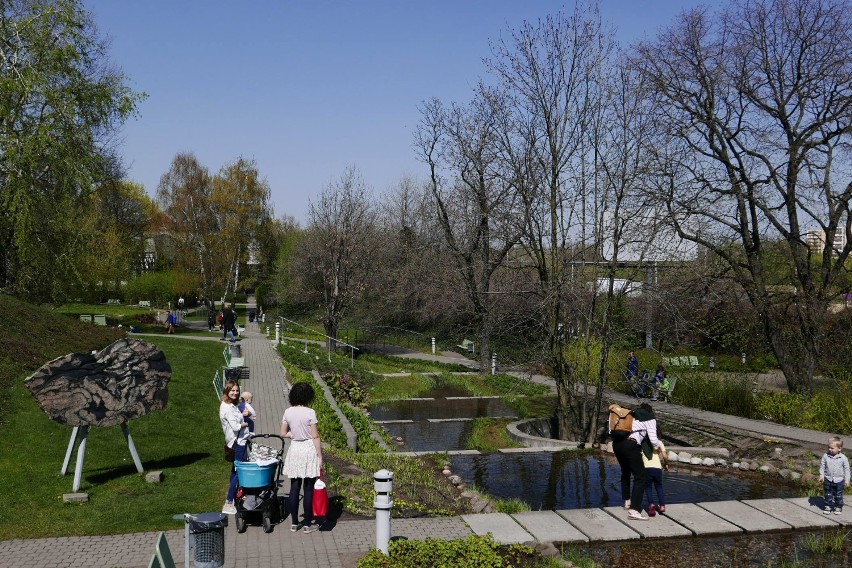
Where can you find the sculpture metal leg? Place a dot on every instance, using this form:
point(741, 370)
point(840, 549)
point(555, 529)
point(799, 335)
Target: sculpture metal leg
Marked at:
point(81, 454)
point(130, 445)
point(68, 452)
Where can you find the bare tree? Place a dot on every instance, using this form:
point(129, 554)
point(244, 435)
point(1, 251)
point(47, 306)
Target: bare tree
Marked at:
point(552, 73)
point(414, 283)
point(755, 114)
point(474, 198)
point(338, 244)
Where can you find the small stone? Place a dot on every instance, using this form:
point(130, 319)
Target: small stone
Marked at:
point(722, 462)
point(684, 457)
point(767, 468)
point(154, 477)
point(778, 452)
point(794, 475)
point(446, 472)
point(547, 549)
point(75, 497)
point(754, 466)
point(695, 461)
point(784, 473)
point(468, 494)
point(708, 461)
point(455, 479)
point(478, 505)
point(399, 438)
point(672, 457)
point(744, 466)
point(735, 465)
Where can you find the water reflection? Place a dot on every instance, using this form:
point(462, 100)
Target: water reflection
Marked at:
point(440, 408)
point(717, 552)
point(571, 480)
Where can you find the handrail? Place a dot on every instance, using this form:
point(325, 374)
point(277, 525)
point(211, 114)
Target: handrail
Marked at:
point(318, 333)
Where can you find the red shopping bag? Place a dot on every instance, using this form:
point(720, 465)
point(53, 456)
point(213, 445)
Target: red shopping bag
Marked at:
point(320, 497)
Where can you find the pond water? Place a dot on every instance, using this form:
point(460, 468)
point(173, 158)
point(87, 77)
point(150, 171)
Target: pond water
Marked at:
point(546, 480)
point(422, 409)
point(765, 550)
point(579, 480)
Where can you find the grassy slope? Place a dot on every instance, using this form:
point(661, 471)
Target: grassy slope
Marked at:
point(185, 440)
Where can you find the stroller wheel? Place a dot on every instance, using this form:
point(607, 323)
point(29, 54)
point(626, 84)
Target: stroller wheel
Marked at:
point(267, 524)
point(241, 524)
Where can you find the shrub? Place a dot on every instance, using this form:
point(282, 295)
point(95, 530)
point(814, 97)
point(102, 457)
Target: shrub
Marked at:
point(471, 552)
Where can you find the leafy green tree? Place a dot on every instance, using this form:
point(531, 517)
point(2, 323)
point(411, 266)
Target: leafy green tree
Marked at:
point(59, 104)
point(240, 202)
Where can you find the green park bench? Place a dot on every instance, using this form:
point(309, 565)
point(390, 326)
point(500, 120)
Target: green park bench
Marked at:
point(233, 362)
point(144, 303)
point(114, 302)
point(466, 345)
point(86, 317)
point(162, 554)
point(100, 319)
point(219, 384)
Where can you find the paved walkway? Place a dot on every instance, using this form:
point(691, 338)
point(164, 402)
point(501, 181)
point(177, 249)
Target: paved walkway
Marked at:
point(343, 543)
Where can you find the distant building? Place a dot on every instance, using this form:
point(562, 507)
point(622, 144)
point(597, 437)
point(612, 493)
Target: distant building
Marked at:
point(815, 239)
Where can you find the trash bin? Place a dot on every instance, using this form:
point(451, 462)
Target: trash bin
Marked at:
point(233, 373)
point(207, 532)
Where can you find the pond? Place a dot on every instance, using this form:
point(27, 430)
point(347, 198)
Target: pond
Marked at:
point(765, 550)
point(439, 421)
point(579, 480)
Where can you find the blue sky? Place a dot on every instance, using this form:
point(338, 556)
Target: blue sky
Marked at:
point(308, 88)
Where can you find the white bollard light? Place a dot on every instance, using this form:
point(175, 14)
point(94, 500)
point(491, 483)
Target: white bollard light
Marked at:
point(433, 346)
point(383, 485)
point(493, 363)
point(277, 332)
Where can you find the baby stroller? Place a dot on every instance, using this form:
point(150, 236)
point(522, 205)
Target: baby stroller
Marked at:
point(259, 479)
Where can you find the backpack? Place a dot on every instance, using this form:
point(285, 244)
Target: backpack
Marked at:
point(620, 422)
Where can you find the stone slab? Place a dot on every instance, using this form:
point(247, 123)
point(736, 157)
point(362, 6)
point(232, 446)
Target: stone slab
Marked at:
point(817, 504)
point(502, 527)
point(747, 518)
point(655, 527)
point(700, 522)
point(530, 450)
point(547, 526)
point(75, 497)
point(795, 516)
point(598, 525)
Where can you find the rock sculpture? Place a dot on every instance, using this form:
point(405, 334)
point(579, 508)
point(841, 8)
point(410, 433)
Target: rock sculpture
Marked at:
point(126, 380)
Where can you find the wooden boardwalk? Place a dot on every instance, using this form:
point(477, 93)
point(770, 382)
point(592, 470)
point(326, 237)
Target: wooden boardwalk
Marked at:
point(607, 524)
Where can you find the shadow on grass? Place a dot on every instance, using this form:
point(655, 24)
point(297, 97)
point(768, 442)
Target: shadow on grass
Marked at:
point(110, 474)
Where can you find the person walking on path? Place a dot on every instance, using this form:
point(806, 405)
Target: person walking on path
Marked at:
point(834, 475)
point(304, 458)
point(236, 431)
point(628, 452)
point(229, 321)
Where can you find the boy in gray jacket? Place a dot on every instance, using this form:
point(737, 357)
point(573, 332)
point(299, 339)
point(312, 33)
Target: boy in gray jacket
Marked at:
point(834, 475)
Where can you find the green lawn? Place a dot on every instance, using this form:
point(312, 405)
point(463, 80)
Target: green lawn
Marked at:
point(184, 441)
